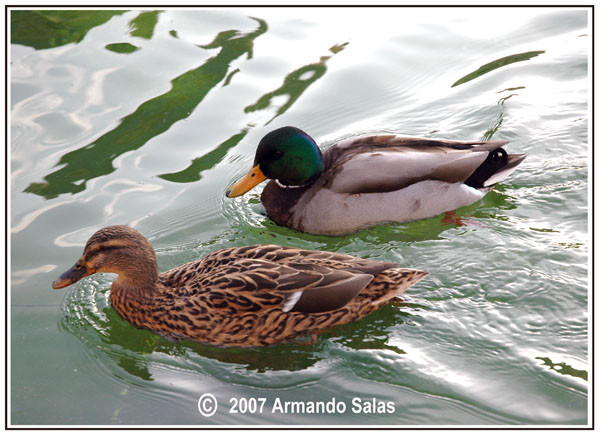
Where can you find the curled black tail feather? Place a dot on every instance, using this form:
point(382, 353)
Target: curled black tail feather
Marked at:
point(495, 161)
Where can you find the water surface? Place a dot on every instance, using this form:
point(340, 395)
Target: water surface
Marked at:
point(145, 118)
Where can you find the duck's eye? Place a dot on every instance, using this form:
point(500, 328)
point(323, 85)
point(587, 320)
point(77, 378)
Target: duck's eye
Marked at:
point(277, 154)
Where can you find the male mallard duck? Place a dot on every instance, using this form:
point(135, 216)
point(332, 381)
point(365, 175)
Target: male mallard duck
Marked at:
point(365, 181)
point(246, 296)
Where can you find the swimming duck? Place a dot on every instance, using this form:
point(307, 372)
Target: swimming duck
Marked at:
point(245, 296)
point(365, 181)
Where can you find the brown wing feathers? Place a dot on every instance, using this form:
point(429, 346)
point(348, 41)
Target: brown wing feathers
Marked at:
point(332, 296)
point(296, 280)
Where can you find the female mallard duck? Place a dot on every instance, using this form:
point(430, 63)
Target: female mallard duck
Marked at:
point(246, 296)
point(365, 181)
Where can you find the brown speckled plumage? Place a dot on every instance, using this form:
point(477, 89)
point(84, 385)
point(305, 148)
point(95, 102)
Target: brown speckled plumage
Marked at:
point(246, 296)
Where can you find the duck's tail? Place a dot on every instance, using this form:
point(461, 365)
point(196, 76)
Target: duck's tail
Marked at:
point(495, 168)
point(394, 282)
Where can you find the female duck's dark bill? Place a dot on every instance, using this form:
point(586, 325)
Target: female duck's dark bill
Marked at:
point(71, 276)
point(247, 182)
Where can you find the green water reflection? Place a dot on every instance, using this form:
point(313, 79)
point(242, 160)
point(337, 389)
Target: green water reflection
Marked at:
point(43, 29)
point(157, 115)
point(143, 25)
point(152, 118)
point(500, 119)
point(498, 63)
point(294, 84)
point(53, 28)
point(564, 368)
point(122, 47)
point(194, 171)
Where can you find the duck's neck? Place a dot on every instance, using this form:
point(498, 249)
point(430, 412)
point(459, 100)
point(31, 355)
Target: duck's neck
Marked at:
point(134, 300)
point(138, 287)
point(134, 289)
point(139, 275)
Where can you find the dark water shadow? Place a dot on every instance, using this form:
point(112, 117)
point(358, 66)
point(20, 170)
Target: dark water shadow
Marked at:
point(151, 118)
point(498, 63)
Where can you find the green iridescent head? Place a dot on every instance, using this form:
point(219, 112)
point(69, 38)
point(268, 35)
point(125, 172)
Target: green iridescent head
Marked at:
point(288, 155)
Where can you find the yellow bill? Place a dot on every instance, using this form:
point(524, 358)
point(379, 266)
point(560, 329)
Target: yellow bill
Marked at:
point(247, 182)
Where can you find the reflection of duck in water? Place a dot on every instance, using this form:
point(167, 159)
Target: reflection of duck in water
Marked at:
point(245, 296)
point(365, 181)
